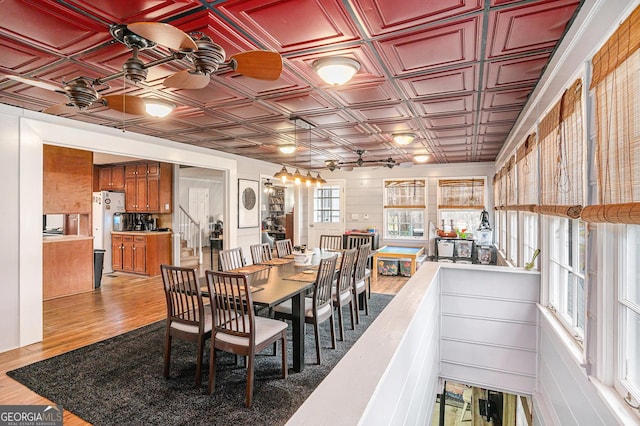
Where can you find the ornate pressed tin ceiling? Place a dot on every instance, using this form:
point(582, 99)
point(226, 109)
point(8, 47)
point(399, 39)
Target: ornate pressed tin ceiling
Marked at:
point(454, 73)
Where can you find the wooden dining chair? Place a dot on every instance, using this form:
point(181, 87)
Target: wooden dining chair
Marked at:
point(359, 278)
point(260, 253)
point(355, 241)
point(343, 288)
point(237, 329)
point(317, 309)
point(284, 247)
point(187, 317)
point(231, 259)
point(330, 242)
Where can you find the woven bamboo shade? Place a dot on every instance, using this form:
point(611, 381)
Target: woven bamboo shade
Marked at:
point(512, 193)
point(572, 212)
point(618, 139)
point(533, 208)
point(563, 151)
point(461, 194)
point(620, 46)
point(628, 213)
point(527, 171)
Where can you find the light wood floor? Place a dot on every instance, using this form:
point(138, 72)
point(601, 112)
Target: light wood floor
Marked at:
point(123, 303)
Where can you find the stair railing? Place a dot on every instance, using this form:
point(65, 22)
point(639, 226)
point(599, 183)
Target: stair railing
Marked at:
point(191, 231)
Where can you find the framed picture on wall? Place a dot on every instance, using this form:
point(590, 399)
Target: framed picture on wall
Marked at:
point(248, 213)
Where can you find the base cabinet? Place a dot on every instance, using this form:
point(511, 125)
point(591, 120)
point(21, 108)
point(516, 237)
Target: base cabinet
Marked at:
point(140, 252)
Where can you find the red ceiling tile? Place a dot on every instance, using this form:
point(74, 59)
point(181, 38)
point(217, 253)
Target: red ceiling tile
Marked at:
point(506, 98)
point(303, 103)
point(52, 27)
point(435, 84)
point(499, 115)
point(449, 120)
point(447, 105)
point(288, 25)
point(371, 93)
point(118, 12)
point(532, 26)
point(386, 112)
point(522, 71)
point(18, 58)
point(383, 16)
point(448, 45)
point(251, 111)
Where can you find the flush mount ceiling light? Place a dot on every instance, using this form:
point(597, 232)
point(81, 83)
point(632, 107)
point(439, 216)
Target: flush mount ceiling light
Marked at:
point(421, 158)
point(336, 70)
point(403, 138)
point(158, 107)
point(289, 148)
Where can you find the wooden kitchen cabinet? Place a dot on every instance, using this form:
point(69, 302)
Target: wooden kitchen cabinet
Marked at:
point(111, 178)
point(141, 252)
point(148, 187)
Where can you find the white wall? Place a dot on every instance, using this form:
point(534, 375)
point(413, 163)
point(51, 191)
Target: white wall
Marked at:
point(365, 188)
point(489, 329)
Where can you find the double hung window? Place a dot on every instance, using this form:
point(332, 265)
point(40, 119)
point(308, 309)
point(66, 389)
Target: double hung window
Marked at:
point(567, 273)
point(405, 209)
point(460, 202)
point(629, 315)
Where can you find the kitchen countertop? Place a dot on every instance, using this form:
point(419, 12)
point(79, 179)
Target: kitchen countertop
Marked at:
point(52, 238)
point(141, 232)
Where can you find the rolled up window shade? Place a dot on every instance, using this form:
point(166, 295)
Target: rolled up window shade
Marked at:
point(572, 212)
point(628, 213)
point(527, 172)
point(461, 194)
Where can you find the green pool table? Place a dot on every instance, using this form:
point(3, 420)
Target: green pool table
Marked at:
point(411, 253)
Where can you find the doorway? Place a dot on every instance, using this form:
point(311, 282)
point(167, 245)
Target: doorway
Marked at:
point(326, 210)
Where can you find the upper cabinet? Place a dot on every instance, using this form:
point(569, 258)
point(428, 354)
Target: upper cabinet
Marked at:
point(111, 178)
point(67, 180)
point(148, 187)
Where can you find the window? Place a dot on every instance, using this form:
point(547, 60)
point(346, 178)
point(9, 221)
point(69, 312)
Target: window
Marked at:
point(529, 236)
point(326, 204)
point(567, 271)
point(629, 314)
point(512, 252)
point(460, 202)
point(404, 209)
point(502, 229)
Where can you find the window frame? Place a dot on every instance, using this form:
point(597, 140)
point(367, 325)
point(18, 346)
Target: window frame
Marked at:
point(405, 208)
point(331, 209)
point(559, 298)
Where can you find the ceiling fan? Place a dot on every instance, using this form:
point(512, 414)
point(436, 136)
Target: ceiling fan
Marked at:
point(335, 164)
point(206, 56)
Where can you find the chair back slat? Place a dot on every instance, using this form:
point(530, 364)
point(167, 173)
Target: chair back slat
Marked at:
point(231, 259)
point(330, 242)
point(361, 263)
point(183, 295)
point(347, 266)
point(355, 241)
point(324, 281)
point(231, 301)
point(260, 253)
point(284, 247)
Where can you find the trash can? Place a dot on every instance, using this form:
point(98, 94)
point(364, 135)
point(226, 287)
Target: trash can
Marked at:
point(98, 261)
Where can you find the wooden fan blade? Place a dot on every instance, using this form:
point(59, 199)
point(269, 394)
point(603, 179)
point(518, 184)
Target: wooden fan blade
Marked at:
point(60, 109)
point(126, 103)
point(32, 82)
point(258, 64)
point(186, 79)
point(165, 35)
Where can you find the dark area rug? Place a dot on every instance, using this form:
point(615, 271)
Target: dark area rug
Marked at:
point(119, 380)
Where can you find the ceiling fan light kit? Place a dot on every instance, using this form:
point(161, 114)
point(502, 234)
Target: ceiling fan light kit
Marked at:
point(403, 138)
point(336, 70)
point(360, 162)
point(421, 158)
point(207, 58)
point(287, 148)
point(158, 107)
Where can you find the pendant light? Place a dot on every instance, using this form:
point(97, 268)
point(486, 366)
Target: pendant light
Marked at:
point(283, 174)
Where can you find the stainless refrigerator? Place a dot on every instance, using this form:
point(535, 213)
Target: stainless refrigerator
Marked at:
point(105, 204)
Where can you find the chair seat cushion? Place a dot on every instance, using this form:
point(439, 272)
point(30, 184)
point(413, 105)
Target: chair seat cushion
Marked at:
point(193, 328)
point(360, 286)
point(345, 296)
point(285, 308)
point(266, 329)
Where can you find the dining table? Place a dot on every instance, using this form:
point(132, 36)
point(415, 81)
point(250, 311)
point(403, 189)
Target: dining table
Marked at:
point(274, 284)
